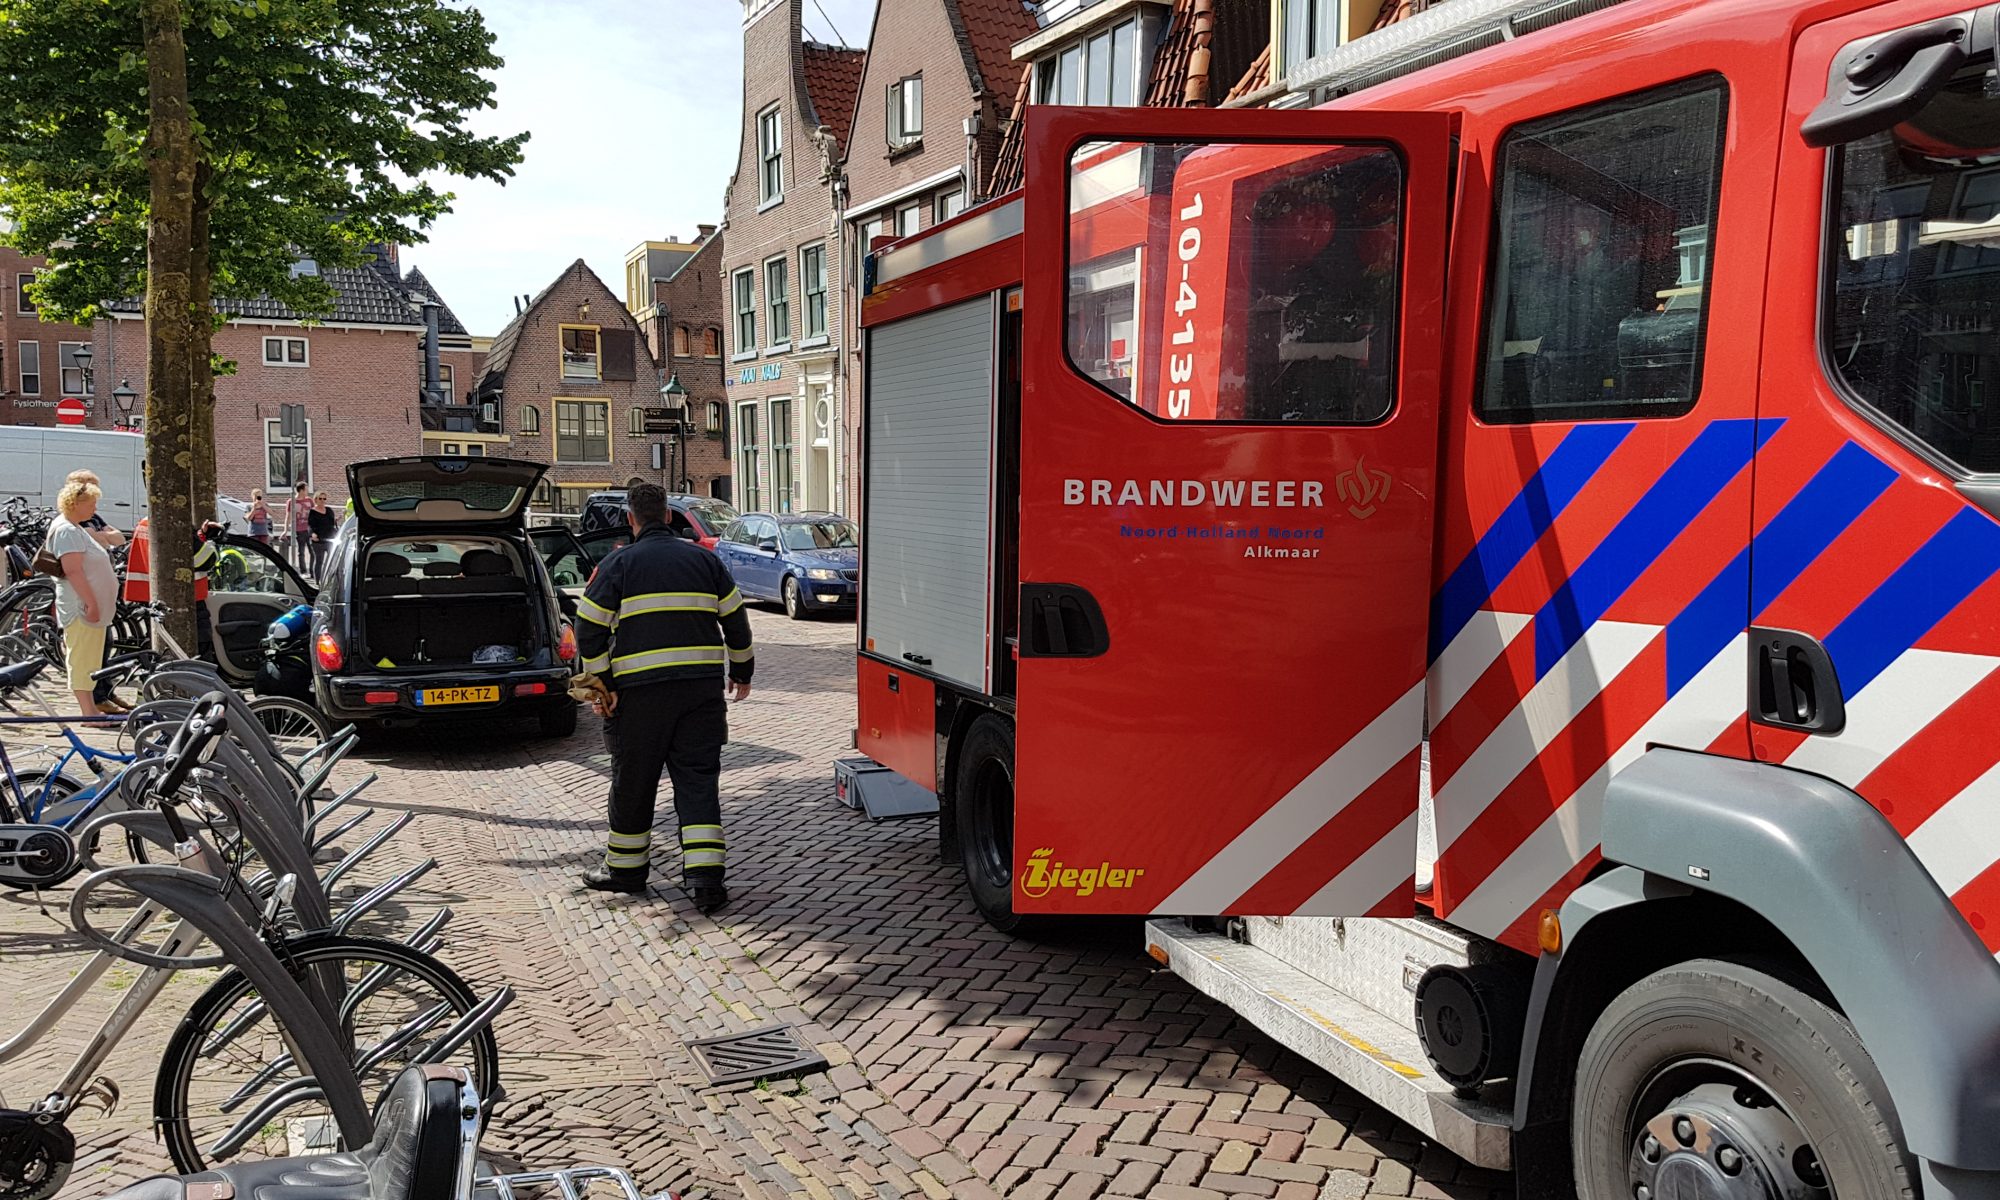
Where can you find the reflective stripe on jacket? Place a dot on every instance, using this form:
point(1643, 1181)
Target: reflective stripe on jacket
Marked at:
point(139, 565)
point(663, 608)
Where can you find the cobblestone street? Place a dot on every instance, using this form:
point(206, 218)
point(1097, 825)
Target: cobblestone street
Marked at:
point(963, 1064)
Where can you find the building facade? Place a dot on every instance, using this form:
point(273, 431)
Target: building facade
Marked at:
point(570, 378)
point(38, 367)
point(789, 421)
point(675, 289)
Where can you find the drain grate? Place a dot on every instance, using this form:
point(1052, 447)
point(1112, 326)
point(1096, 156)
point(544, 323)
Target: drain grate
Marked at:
point(754, 1054)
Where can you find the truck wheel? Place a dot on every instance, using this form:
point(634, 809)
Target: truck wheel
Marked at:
point(557, 721)
point(1715, 1079)
point(984, 794)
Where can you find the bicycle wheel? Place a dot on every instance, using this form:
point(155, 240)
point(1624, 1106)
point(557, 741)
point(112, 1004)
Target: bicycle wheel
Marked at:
point(228, 1053)
point(60, 806)
point(294, 725)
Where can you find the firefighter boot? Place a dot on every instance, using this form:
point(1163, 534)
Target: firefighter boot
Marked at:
point(705, 888)
point(604, 879)
point(624, 868)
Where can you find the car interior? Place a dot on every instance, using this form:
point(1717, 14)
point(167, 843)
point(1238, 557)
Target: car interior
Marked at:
point(445, 602)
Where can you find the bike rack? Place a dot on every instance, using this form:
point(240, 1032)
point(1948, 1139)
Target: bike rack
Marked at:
point(354, 857)
point(572, 1183)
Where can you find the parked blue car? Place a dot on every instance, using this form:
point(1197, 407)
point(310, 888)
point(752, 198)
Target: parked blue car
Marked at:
point(808, 562)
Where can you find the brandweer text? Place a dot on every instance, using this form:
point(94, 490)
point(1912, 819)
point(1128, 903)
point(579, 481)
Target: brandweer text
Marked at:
point(1190, 493)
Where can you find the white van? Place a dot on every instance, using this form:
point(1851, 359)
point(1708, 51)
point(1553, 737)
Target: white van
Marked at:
point(34, 461)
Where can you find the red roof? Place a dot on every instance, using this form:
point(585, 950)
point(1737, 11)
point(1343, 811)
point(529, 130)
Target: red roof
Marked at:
point(833, 77)
point(989, 29)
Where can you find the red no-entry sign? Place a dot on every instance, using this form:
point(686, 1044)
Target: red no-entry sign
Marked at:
point(72, 411)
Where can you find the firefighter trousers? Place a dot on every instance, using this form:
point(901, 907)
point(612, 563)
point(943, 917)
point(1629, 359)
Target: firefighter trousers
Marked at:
point(678, 725)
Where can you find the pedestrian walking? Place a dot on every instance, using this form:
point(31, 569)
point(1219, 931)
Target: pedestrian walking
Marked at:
point(660, 624)
point(86, 591)
point(260, 516)
point(321, 522)
point(298, 519)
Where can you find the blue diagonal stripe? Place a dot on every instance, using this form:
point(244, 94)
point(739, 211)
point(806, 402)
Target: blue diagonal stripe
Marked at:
point(1935, 580)
point(1838, 493)
point(1573, 463)
point(1716, 455)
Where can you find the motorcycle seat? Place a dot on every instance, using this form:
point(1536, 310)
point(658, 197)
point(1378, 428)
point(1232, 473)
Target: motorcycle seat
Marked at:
point(423, 1149)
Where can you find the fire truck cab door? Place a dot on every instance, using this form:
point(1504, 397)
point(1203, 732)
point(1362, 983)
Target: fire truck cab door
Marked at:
point(1228, 453)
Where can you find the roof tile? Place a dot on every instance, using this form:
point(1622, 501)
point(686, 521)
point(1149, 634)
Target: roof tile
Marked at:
point(833, 77)
point(990, 29)
point(362, 296)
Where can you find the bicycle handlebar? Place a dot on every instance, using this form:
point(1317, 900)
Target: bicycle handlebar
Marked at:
point(195, 742)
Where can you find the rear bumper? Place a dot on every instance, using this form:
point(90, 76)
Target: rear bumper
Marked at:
point(344, 697)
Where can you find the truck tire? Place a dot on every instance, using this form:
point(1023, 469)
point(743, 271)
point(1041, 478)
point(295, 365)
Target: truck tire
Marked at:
point(984, 794)
point(1714, 1078)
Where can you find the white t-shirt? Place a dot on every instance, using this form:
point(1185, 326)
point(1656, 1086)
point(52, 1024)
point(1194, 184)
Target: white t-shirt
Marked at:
point(67, 538)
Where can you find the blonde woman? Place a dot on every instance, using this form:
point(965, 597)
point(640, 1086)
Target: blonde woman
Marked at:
point(86, 593)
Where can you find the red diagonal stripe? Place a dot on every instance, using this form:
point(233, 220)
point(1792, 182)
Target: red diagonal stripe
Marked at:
point(1482, 708)
point(1980, 902)
point(1525, 933)
point(1366, 820)
point(1938, 763)
point(1585, 745)
point(1881, 539)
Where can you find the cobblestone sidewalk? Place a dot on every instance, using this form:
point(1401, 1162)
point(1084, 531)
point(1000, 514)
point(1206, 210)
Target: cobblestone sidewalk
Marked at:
point(963, 1063)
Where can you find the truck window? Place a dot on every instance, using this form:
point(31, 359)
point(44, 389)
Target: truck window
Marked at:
point(1914, 274)
point(1597, 298)
point(1241, 283)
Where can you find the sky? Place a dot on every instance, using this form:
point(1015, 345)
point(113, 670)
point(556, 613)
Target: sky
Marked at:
point(634, 113)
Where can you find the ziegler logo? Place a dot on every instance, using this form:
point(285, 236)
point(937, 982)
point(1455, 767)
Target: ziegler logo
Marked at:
point(1363, 489)
point(1042, 876)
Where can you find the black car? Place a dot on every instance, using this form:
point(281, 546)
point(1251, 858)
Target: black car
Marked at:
point(705, 516)
point(435, 604)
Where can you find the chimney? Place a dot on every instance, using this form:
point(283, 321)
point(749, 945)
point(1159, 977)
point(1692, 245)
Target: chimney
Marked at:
point(517, 306)
point(705, 232)
point(433, 391)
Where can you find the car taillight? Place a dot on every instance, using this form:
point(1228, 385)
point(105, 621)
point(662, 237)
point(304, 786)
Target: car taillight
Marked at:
point(566, 644)
point(531, 689)
point(378, 697)
point(326, 648)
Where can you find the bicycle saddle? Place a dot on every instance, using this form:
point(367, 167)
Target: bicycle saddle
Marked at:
point(423, 1149)
point(17, 675)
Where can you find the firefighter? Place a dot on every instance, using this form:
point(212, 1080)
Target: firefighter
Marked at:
point(647, 627)
point(139, 577)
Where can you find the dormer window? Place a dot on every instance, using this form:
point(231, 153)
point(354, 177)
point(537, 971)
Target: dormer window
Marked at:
point(906, 112)
point(1100, 68)
point(304, 266)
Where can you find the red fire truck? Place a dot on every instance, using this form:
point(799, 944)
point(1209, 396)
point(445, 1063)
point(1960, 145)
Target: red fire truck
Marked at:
point(1502, 568)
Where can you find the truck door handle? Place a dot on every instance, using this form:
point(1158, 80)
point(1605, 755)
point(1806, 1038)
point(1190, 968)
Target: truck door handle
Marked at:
point(922, 660)
point(1793, 684)
point(1061, 620)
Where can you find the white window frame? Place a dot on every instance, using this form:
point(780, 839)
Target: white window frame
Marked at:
point(747, 458)
point(770, 157)
point(555, 439)
point(905, 98)
point(531, 419)
point(284, 358)
point(776, 302)
point(915, 213)
point(809, 295)
point(743, 308)
point(1049, 70)
point(635, 422)
point(271, 441)
point(574, 370)
point(21, 361)
point(948, 205)
point(64, 351)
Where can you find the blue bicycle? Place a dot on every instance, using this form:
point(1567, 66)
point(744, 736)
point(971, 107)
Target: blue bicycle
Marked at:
point(52, 795)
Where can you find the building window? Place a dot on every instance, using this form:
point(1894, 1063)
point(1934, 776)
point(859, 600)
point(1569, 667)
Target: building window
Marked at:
point(770, 156)
point(21, 299)
point(583, 431)
point(906, 220)
point(1100, 69)
point(449, 448)
point(681, 340)
point(570, 500)
point(286, 352)
point(715, 416)
point(634, 288)
point(747, 454)
point(446, 384)
point(72, 374)
point(812, 281)
point(286, 462)
point(531, 419)
point(711, 342)
point(579, 352)
point(906, 112)
point(778, 302)
point(1596, 305)
point(781, 455)
point(743, 288)
point(635, 422)
point(950, 204)
point(31, 368)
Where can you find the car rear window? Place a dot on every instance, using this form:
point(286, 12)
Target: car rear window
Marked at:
point(406, 495)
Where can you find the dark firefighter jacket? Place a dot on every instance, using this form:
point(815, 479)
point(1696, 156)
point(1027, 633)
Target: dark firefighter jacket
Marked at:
point(663, 608)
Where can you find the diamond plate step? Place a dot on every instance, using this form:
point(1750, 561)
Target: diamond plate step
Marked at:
point(754, 1054)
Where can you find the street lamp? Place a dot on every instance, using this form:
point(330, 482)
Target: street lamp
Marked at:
point(673, 396)
point(125, 397)
point(82, 357)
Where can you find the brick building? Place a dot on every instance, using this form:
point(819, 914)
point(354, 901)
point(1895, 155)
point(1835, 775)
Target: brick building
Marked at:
point(36, 368)
point(570, 377)
point(675, 289)
point(790, 421)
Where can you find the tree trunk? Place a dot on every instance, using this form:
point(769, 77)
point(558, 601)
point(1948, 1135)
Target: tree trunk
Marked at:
point(170, 434)
point(201, 333)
